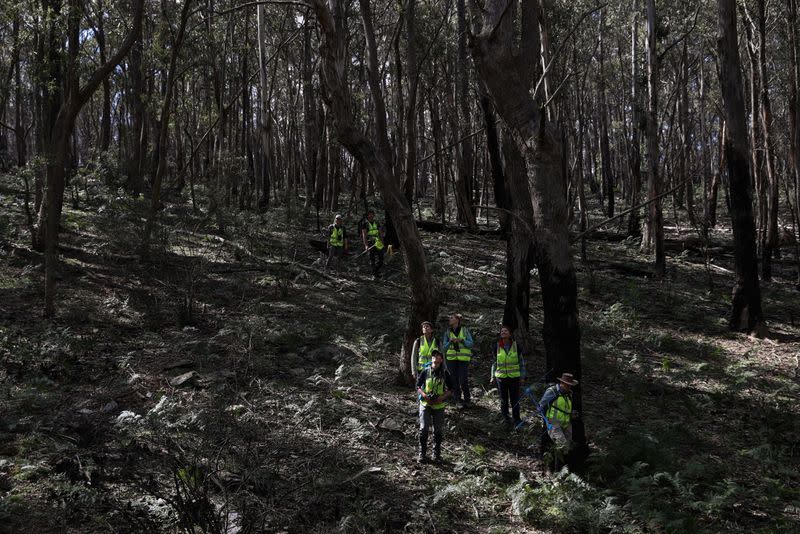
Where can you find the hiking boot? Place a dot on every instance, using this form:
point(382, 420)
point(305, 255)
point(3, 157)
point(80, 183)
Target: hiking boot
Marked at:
point(437, 451)
point(422, 459)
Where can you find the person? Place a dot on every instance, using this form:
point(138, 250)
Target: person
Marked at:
point(556, 405)
point(507, 371)
point(372, 237)
point(434, 387)
point(423, 349)
point(337, 242)
point(457, 344)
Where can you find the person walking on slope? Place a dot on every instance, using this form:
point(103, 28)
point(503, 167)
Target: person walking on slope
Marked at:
point(434, 387)
point(457, 344)
point(507, 370)
point(423, 349)
point(371, 236)
point(556, 405)
point(337, 242)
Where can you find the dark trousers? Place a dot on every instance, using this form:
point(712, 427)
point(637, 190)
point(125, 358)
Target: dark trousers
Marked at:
point(509, 392)
point(376, 260)
point(459, 370)
point(335, 255)
point(430, 417)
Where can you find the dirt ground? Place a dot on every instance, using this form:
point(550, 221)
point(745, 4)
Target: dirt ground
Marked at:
point(231, 385)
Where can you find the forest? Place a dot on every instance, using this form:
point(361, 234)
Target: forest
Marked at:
point(224, 224)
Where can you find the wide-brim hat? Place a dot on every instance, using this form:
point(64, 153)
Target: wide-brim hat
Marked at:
point(567, 378)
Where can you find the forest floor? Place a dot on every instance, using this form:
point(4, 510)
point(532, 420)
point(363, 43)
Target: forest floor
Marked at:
point(230, 386)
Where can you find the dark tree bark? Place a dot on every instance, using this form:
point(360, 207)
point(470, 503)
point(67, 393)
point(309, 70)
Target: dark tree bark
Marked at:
point(105, 120)
point(309, 118)
point(501, 64)
point(771, 245)
point(410, 178)
point(634, 223)
point(136, 165)
point(501, 196)
point(264, 118)
point(166, 110)
point(746, 313)
point(466, 153)
point(794, 116)
point(654, 235)
point(686, 136)
point(75, 97)
point(605, 149)
point(519, 242)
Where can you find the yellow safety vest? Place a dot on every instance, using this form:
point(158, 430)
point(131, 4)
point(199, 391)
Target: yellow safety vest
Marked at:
point(463, 353)
point(337, 236)
point(560, 409)
point(374, 234)
point(507, 362)
point(424, 353)
point(435, 387)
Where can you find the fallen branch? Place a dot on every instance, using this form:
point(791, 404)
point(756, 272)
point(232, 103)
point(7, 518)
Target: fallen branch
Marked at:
point(627, 211)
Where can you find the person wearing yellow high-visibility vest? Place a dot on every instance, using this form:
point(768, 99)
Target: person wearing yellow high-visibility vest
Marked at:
point(423, 348)
point(372, 237)
point(457, 345)
point(337, 242)
point(556, 405)
point(434, 387)
point(507, 371)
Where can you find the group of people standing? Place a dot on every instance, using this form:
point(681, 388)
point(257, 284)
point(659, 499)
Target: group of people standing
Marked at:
point(371, 237)
point(441, 368)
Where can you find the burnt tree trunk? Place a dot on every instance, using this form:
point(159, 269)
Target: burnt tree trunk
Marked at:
point(502, 65)
point(746, 311)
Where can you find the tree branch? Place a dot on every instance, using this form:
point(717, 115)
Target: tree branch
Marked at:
point(240, 7)
point(627, 211)
point(562, 45)
point(86, 92)
point(682, 37)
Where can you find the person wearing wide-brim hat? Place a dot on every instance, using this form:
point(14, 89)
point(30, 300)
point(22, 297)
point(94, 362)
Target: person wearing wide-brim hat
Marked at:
point(556, 405)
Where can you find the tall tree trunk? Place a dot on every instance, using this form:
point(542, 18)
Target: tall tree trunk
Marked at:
point(519, 242)
point(500, 63)
point(166, 110)
point(654, 236)
point(264, 122)
point(794, 116)
point(605, 150)
point(105, 121)
point(771, 245)
point(466, 180)
point(634, 224)
point(75, 97)
point(410, 112)
point(309, 117)
point(501, 197)
point(746, 311)
point(136, 164)
point(374, 158)
point(686, 136)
